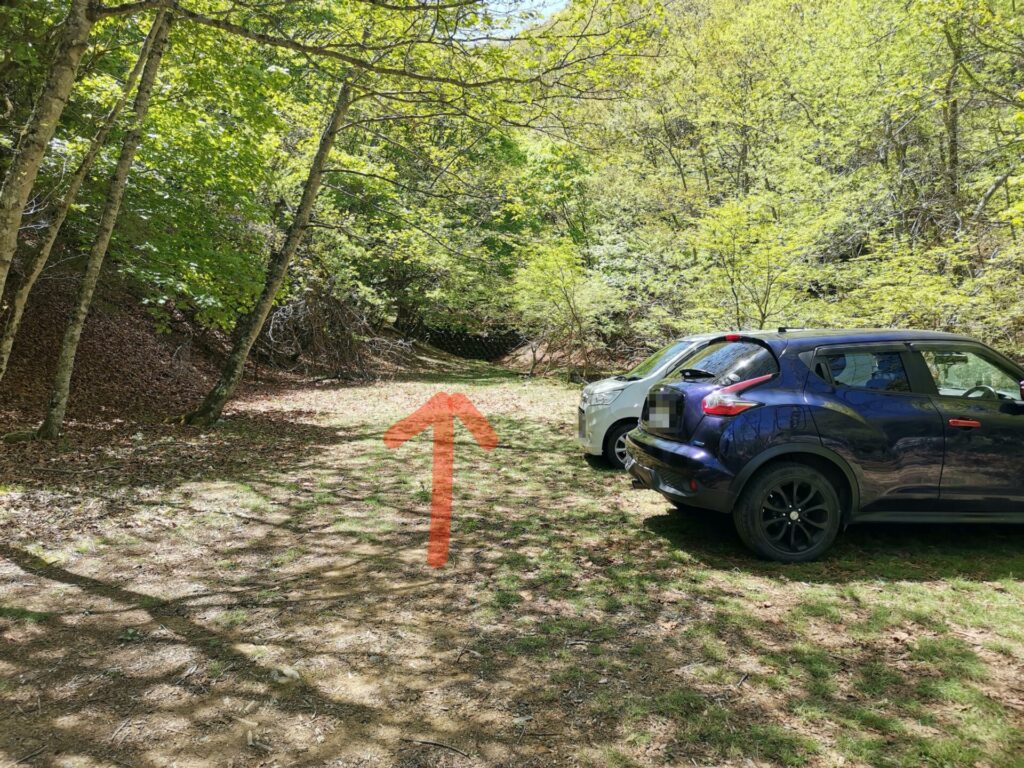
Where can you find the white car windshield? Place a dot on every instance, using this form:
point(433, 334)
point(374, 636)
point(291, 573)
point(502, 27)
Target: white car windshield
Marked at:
point(655, 361)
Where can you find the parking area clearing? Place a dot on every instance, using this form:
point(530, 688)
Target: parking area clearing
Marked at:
point(257, 594)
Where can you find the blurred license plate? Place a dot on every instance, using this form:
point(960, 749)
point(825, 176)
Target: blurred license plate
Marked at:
point(659, 410)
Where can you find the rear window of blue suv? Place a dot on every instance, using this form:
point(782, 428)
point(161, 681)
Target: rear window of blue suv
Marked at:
point(728, 362)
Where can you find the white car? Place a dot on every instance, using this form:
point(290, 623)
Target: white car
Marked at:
point(611, 407)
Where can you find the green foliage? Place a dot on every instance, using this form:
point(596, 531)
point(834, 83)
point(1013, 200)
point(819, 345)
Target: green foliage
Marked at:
point(25, 49)
point(834, 164)
point(632, 171)
point(560, 303)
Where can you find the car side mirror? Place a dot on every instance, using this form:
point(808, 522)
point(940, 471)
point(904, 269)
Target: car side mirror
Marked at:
point(1022, 390)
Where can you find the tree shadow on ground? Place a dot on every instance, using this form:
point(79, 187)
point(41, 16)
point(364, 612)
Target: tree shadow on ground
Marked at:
point(904, 552)
point(257, 594)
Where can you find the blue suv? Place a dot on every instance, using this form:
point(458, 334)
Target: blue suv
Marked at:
point(798, 434)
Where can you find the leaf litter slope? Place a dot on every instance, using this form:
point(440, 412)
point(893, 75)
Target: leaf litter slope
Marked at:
point(257, 594)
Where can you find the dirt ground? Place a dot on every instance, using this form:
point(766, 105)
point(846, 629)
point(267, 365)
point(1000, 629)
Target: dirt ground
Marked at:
point(257, 595)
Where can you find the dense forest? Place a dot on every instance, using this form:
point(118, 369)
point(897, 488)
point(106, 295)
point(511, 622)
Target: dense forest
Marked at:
point(592, 178)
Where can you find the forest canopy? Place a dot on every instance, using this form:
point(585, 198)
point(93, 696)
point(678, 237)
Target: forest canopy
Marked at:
point(595, 178)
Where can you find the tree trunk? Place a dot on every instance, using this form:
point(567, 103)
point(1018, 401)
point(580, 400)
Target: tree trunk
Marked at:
point(951, 118)
point(51, 425)
point(250, 325)
point(21, 174)
point(35, 268)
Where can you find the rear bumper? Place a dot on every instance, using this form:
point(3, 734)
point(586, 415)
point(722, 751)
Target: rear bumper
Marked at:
point(678, 471)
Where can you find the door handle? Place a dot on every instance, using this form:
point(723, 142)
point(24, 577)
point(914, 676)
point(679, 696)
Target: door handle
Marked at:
point(965, 423)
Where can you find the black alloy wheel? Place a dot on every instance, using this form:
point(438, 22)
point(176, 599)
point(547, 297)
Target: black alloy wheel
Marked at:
point(795, 515)
point(789, 512)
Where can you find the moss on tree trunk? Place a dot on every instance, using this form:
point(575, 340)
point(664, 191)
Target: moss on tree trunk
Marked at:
point(50, 428)
point(21, 174)
point(60, 213)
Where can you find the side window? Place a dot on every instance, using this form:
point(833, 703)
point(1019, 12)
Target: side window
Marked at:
point(962, 373)
point(882, 371)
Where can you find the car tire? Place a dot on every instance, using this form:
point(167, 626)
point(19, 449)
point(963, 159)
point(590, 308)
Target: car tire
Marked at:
point(790, 513)
point(614, 444)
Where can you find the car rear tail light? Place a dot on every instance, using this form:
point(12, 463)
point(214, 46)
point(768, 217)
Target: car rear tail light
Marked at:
point(732, 337)
point(727, 401)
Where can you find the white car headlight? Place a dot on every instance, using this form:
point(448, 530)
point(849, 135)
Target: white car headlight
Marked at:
point(605, 398)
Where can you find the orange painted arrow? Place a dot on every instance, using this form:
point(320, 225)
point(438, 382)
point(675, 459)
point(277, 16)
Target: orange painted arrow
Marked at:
point(439, 412)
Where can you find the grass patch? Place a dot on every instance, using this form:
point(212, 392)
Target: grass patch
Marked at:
point(232, 618)
point(23, 614)
point(287, 557)
point(951, 656)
